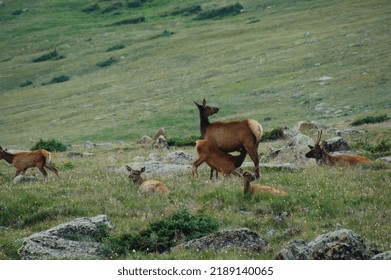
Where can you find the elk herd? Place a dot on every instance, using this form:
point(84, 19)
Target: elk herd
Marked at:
point(218, 141)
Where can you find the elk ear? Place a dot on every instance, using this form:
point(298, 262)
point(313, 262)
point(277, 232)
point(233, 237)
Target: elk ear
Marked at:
point(128, 168)
point(311, 147)
point(142, 169)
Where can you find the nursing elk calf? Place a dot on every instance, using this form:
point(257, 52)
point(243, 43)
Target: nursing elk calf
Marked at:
point(24, 160)
point(323, 157)
point(217, 159)
point(149, 186)
point(231, 136)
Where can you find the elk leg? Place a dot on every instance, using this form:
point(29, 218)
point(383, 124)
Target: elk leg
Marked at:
point(43, 171)
point(53, 169)
point(253, 153)
point(197, 163)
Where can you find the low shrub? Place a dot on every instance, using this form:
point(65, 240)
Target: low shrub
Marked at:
point(231, 10)
point(54, 55)
point(371, 119)
point(26, 83)
point(59, 79)
point(50, 145)
point(91, 8)
point(273, 135)
point(107, 62)
point(190, 10)
point(161, 235)
point(115, 47)
point(182, 141)
point(130, 21)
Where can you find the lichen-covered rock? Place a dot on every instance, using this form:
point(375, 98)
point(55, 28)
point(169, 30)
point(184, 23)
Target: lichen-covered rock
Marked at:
point(78, 239)
point(382, 256)
point(24, 179)
point(225, 240)
point(341, 244)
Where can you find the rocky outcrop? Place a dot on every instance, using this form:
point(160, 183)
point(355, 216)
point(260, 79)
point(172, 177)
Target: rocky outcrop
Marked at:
point(24, 179)
point(226, 240)
point(341, 244)
point(78, 239)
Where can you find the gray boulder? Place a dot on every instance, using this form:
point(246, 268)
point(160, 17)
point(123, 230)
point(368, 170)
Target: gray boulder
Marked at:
point(341, 244)
point(382, 256)
point(24, 179)
point(336, 144)
point(77, 239)
point(225, 240)
point(294, 150)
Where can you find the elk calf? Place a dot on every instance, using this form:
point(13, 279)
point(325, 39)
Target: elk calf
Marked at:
point(24, 160)
point(217, 159)
point(251, 188)
point(323, 157)
point(149, 186)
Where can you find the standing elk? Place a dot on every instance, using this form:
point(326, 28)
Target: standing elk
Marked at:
point(323, 157)
point(149, 186)
point(231, 136)
point(24, 160)
point(251, 188)
point(216, 159)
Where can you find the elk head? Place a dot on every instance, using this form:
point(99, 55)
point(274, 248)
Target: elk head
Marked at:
point(206, 110)
point(316, 151)
point(135, 175)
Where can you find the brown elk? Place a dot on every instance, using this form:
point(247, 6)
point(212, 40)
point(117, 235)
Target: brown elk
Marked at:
point(323, 157)
point(231, 136)
point(251, 188)
point(24, 160)
point(149, 186)
point(217, 159)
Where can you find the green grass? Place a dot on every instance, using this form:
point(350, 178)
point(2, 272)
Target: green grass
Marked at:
point(319, 198)
point(266, 63)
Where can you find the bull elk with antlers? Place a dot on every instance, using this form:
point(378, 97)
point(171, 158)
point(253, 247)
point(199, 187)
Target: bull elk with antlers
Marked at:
point(323, 157)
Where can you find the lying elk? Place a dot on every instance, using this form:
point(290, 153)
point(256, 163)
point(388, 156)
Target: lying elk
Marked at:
point(231, 136)
point(251, 188)
point(149, 186)
point(217, 159)
point(323, 157)
point(24, 160)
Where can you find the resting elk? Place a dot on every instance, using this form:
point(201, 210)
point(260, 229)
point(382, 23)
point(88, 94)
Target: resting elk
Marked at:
point(24, 160)
point(251, 188)
point(149, 186)
point(323, 157)
point(231, 136)
point(216, 159)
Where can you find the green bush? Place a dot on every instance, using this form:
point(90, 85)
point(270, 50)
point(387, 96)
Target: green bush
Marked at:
point(130, 21)
point(274, 134)
point(107, 62)
point(54, 55)
point(371, 119)
point(191, 10)
point(182, 141)
point(115, 47)
point(91, 8)
point(231, 10)
point(59, 79)
point(26, 83)
point(50, 145)
point(182, 226)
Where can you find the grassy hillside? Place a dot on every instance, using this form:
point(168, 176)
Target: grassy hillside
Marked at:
point(105, 77)
point(265, 63)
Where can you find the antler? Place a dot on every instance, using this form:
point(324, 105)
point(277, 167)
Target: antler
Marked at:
point(319, 136)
